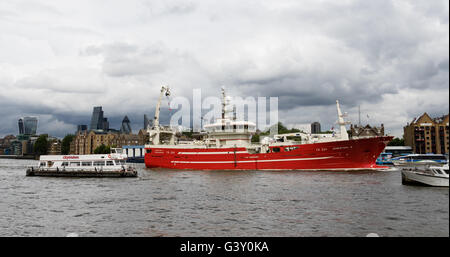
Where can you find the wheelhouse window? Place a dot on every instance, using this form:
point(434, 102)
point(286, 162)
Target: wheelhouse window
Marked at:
point(290, 148)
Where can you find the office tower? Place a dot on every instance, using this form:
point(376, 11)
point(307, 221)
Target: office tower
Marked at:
point(315, 127)
point(28, 125)
point(21, 128)
point(97, 118)
point(126, 127)
point(105, 124)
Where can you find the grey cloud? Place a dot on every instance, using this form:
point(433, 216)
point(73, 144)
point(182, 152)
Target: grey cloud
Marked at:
point(443, 65)
point(181, 8)
point(75, 31)
point(54, 84)
point(123, 59)
point(163, 8)
point(39, 8)
point(5, 14)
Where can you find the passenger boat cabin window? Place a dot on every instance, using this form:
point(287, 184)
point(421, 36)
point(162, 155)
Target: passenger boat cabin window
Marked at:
point(64, 164)
point(429, 157)
point(276, 149)
point(75, 164)
point(99, 163)
point(149, 150)
point(86, 164)
point(109, 163)
point(42, 164)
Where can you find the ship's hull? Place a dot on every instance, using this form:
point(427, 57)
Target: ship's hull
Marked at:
point(358, 154)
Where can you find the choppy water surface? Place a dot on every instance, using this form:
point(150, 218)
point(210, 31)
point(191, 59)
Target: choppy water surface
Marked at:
point(220, 203)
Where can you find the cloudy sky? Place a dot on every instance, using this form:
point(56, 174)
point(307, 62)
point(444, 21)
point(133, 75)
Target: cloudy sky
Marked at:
point(58, 58)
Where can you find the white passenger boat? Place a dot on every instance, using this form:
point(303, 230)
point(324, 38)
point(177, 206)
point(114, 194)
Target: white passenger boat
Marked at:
point(413, 160)
point(92, 165)
point(426, 175)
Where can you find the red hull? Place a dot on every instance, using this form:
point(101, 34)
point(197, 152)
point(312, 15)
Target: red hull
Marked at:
point(338, 155)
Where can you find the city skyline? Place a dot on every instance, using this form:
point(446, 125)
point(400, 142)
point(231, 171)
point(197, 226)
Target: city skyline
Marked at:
point(388, 57)
point(118, 122)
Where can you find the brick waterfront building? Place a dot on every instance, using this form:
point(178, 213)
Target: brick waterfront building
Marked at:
point(85, 142)
point(427, 135)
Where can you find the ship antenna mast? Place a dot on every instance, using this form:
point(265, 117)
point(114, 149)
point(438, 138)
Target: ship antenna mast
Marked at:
point(223, 108)
point(223, 103)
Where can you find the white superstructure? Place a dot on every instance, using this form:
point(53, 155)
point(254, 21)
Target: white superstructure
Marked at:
point(227, 131)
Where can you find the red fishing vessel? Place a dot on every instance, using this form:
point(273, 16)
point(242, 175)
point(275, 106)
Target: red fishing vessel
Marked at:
point(228, 147)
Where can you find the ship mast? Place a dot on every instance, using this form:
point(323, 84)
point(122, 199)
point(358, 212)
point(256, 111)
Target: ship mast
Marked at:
point(224, 104)
point(342, 122)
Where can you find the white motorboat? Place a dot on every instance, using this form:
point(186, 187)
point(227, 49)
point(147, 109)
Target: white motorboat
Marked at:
point(426, 175)
point(91, 165)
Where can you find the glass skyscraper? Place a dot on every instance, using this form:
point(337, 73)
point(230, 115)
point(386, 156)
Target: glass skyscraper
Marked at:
point(126, 127)
point(21, 128)
point(97, 119)
point(28, 125)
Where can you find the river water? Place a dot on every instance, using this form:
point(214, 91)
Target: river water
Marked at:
point(220, 203)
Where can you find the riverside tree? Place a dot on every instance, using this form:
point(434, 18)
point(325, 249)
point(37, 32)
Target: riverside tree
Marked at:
point(41, 145)
point(397, 142)
point(65, 145)
point(102, 149)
